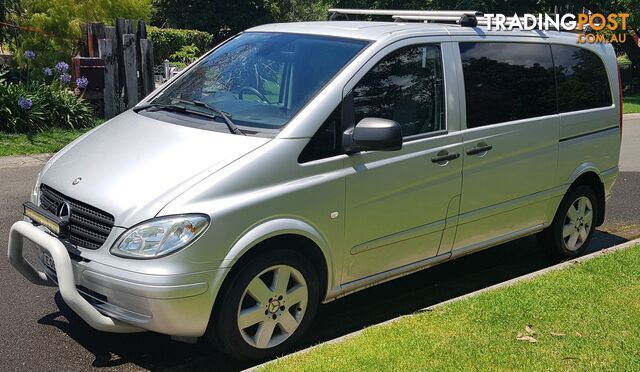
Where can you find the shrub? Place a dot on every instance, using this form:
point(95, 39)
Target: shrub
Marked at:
point(169, 41)
point(59, 22)
point(186, 54)
point(37, 107)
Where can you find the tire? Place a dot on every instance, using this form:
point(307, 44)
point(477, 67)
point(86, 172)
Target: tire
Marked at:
point(259, 316)
point(574, 223)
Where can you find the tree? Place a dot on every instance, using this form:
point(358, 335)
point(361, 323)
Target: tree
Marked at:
point(55, 25)
point(7, 8)
point(219, 17)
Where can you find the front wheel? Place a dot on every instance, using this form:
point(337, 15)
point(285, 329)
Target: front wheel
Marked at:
point(573, 226)
point(267, 306)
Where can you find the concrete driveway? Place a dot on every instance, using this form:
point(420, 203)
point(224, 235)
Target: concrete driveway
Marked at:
point(39, 332)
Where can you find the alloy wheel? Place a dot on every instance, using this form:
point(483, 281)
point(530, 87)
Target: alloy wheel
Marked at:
point(577, 223)
point(272, 306)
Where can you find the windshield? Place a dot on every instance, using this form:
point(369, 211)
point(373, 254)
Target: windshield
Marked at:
point(261, 80)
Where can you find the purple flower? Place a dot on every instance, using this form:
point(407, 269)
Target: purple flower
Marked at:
point(29, 54)
point(47, 71)
point(62, 67)
point(65, 78)
point(82, 82)
point(24, 103)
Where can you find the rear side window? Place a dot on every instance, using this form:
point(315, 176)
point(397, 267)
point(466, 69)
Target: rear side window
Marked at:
point(507, 81)
point(405, 86)
point(582, 79)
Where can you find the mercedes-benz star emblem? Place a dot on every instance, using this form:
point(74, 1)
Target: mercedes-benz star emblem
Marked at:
point(76, 181)
point(274, 306)
point(64, 211)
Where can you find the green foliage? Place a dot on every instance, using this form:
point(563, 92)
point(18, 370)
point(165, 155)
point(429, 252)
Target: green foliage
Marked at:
point(219, 17)
point(52, 106)
point(169, 41)
point(58, 22)
point(7, 8)
point(299, 10)
point(186, 54)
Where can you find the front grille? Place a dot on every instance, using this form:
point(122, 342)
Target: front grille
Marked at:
point(89, 227)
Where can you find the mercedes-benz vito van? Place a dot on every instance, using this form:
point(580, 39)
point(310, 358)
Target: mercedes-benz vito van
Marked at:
point(297, 163)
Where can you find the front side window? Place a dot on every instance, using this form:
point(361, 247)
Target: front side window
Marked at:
point(406, 86)
point(263, 79)
point(507, 81)
point(582, 79)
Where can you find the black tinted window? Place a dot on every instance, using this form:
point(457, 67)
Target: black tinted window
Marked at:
point(507, 81)
point(582, 79)
point(406, 86)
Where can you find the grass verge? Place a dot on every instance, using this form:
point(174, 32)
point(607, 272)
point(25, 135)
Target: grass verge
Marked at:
point(631, 104)
point(581, 318)
point(51, 140)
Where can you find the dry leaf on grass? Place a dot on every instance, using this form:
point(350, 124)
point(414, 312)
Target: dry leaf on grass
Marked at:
point(578, 334)
point(527, 338)
point(529, 330)
point(557, 334)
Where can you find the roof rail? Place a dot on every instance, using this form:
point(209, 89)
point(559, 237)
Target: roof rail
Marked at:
point(465, 18)
point(337, 13)
point(468, 20)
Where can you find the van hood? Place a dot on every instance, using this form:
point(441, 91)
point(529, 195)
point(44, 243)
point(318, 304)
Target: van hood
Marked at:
point(132, 166)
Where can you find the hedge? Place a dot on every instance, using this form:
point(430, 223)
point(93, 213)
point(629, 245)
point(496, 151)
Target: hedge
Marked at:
point(167, 41)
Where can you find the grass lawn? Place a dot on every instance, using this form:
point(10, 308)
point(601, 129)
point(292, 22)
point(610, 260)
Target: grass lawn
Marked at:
point(51, 140)
point(631, 104)
point(581, 318)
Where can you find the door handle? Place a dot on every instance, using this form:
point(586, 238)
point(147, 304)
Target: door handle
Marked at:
point(479, 149)
point(443, 158)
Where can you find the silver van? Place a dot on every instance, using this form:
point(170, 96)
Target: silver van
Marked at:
point(297, 163)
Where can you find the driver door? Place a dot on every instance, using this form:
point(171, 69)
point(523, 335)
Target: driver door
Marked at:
point(402, 206)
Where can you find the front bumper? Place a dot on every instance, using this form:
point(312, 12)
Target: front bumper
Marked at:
point(117, 300)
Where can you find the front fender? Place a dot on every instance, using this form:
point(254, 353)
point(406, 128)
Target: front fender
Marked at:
point(276, 227)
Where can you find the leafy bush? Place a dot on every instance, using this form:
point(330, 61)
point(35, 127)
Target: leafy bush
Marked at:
point(37, 107)
point(169, 41)
point(186, 54)
point(58, 22)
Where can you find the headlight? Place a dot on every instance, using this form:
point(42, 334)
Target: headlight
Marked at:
point(160, 236)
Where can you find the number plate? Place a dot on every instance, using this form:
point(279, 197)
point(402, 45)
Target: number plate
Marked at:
point(47, 261)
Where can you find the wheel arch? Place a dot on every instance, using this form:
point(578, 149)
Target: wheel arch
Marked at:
point(274, 234)
point(589, 175)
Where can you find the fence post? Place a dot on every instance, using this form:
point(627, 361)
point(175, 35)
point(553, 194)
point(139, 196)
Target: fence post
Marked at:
point(105, 48)
point(148, 80)
point(130, 69)
point(167, 70)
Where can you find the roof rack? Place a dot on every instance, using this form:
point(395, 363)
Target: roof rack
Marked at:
point(465, 18)
point(388, 12)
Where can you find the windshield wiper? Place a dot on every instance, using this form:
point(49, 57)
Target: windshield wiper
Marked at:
point(219, 113)
point(216, 113)
point(160, 106)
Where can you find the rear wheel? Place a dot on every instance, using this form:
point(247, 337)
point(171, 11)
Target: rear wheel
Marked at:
point(574, 223)
point(267, 306)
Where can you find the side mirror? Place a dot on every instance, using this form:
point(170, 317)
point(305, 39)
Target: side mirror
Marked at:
point(374, 134)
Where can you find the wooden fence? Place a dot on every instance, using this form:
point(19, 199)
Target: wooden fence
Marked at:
point(118, 61)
